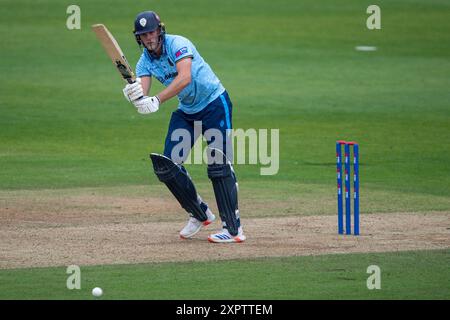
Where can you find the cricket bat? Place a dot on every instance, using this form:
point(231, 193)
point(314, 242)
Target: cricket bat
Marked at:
point(113, 50)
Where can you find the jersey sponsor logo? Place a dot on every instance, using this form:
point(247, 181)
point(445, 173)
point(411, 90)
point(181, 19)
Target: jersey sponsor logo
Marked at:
point(171, 75)
point(167, 77)
point(181, 52)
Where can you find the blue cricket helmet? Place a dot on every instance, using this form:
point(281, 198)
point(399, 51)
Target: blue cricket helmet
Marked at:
point(148, 21)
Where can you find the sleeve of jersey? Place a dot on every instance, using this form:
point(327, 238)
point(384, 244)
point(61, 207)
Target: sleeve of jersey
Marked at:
point(142, 68)
point(181, 48)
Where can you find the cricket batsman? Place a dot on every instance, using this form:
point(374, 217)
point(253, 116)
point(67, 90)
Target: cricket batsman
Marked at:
point(175, 62)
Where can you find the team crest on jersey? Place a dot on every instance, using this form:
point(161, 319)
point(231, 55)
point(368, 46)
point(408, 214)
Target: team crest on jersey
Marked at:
point(181, 52)
point(143, 22)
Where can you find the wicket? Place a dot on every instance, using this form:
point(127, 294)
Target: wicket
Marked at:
point(348, 223)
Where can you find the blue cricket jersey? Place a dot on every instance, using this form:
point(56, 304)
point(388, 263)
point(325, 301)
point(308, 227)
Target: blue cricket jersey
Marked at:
point(204, 88)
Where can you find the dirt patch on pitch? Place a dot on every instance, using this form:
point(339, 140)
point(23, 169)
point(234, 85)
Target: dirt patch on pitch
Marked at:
point(90, 230)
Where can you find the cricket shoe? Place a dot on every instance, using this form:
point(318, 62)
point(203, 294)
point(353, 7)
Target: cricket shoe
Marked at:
point(193, 226)
point(225, 237)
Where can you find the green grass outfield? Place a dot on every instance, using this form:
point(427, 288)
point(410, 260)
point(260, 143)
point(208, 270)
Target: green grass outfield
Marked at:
point(288, 65)
point(404, 275)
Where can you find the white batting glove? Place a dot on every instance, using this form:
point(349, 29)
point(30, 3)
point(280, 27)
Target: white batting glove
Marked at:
point(147, 104)
point(133, 91)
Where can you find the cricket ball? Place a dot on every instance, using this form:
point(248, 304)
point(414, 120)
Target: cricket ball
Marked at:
point(97, 292)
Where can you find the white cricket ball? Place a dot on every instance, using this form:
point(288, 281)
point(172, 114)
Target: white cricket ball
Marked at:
point(97, 292)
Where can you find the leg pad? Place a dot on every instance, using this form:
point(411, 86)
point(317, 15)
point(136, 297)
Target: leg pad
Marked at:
point(226, 191)
point(176, 178)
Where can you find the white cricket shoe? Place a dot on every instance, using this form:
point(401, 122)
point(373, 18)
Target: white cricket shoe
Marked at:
point(193, 226)
point(225, 237)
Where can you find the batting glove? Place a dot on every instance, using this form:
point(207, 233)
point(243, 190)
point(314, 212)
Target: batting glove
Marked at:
point(133, 91)
point(147, 104)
